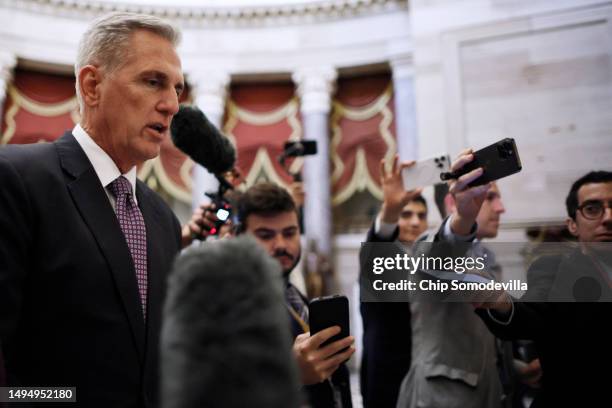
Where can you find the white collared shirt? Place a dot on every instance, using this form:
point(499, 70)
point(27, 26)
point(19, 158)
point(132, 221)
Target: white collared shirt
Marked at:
point(104, 166)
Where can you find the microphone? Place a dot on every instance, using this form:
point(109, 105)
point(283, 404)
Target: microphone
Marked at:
point(225, 339)
point(199, 139)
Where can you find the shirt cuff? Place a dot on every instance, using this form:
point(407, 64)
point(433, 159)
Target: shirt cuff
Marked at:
point(502, 322)
point(450, 236)
point(382, 229)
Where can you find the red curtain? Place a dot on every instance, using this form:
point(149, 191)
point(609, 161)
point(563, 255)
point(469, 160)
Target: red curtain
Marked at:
point(260, 119)
point(363, 133)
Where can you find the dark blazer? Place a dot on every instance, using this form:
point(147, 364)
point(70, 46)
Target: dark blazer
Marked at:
point(572, 339)
point(70, 312)
point(387, 344)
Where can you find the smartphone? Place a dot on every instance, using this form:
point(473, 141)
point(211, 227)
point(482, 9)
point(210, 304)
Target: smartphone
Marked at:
point(301, 148)
point(498, 160)
point(328, 311)
point(426, 172)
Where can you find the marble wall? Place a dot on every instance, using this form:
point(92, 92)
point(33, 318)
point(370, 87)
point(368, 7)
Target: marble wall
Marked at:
point(538, 71)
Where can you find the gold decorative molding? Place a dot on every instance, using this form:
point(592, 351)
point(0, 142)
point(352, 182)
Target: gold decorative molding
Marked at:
point(288, 112)
point(145, 170)
point(40, 108)
point(21, 101)
point(360, 181)
point(161, 180)
point(263, 165)
point(167, 184)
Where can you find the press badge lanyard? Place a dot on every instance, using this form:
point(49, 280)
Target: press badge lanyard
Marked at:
point(306, 328)
point(302, 323)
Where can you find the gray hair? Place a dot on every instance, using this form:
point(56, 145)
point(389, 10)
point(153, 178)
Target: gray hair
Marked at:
point(105, 43)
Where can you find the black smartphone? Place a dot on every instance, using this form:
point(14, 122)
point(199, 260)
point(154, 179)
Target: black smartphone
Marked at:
point(498, 160)
point(328, 311)
point(301, 148)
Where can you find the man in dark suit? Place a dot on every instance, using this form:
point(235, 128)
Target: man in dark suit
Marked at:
point(84, 246)
point(268, 212)
point(387, 336)
point(570, 330)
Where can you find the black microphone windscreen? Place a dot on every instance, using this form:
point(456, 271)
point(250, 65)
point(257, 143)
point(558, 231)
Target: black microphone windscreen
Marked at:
point(226, 340)
point(198, 138)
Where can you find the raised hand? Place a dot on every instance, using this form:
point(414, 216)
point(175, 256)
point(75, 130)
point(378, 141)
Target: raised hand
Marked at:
point(468, 200)
point(395, 197)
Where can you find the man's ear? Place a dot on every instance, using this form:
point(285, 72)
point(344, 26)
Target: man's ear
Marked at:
point(572, 226)
point(90, 78)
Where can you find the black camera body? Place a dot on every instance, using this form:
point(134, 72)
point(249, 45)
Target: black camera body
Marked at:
point(223, 211)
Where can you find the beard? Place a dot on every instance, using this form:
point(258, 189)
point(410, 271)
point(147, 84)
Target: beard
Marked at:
point(295, 260)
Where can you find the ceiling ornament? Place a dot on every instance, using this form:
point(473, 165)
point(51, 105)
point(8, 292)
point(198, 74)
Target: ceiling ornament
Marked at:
point(220, 17)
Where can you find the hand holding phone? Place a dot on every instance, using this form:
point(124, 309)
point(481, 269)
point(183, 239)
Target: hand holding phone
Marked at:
point(320, 352)
point(498, 160)
point(317, 363)
point(329, 311)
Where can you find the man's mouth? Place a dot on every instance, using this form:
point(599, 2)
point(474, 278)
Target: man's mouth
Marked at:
point(285, 257)
point(159, 128)
point(606, 235)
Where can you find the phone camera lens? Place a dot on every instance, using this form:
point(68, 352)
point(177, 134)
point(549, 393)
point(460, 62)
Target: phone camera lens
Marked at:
point(502, 151)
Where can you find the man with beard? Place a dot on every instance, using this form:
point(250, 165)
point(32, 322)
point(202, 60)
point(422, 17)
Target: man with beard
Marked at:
point(569, 331)
point(268, 212)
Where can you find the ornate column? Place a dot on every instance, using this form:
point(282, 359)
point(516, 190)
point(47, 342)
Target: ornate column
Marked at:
point(7, 63)
point(315, 86)
point(210, 91)
point(402, 66)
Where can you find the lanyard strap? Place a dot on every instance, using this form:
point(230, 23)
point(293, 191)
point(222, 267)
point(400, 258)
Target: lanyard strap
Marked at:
point(302, 323)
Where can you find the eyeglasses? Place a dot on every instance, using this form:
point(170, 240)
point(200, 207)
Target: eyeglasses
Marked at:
point(594, 209)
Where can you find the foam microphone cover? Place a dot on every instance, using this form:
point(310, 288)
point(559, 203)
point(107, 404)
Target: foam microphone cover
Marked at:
point(199, 139)
point(226, 341)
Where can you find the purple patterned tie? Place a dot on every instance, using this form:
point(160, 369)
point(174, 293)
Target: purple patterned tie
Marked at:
point(134, 229)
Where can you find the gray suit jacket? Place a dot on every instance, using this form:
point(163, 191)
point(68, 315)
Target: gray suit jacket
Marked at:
point(453, 354)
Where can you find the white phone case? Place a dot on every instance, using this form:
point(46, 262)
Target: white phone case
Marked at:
point(426, 172)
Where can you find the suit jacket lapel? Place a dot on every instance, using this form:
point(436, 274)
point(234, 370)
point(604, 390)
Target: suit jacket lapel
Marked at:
point(92, 203)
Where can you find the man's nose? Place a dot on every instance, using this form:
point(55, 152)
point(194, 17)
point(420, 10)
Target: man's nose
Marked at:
point(279, 242)
point(169, 104)
point(607, 215)
point(499, 206)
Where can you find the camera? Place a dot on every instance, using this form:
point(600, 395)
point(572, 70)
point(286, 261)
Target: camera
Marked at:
point(505, 150)
point(223, 211)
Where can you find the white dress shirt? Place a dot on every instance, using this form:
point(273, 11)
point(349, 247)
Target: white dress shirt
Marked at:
point(104, 166)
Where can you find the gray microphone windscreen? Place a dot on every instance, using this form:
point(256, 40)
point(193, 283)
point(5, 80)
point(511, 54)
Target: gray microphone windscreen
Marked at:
point(225, 340)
